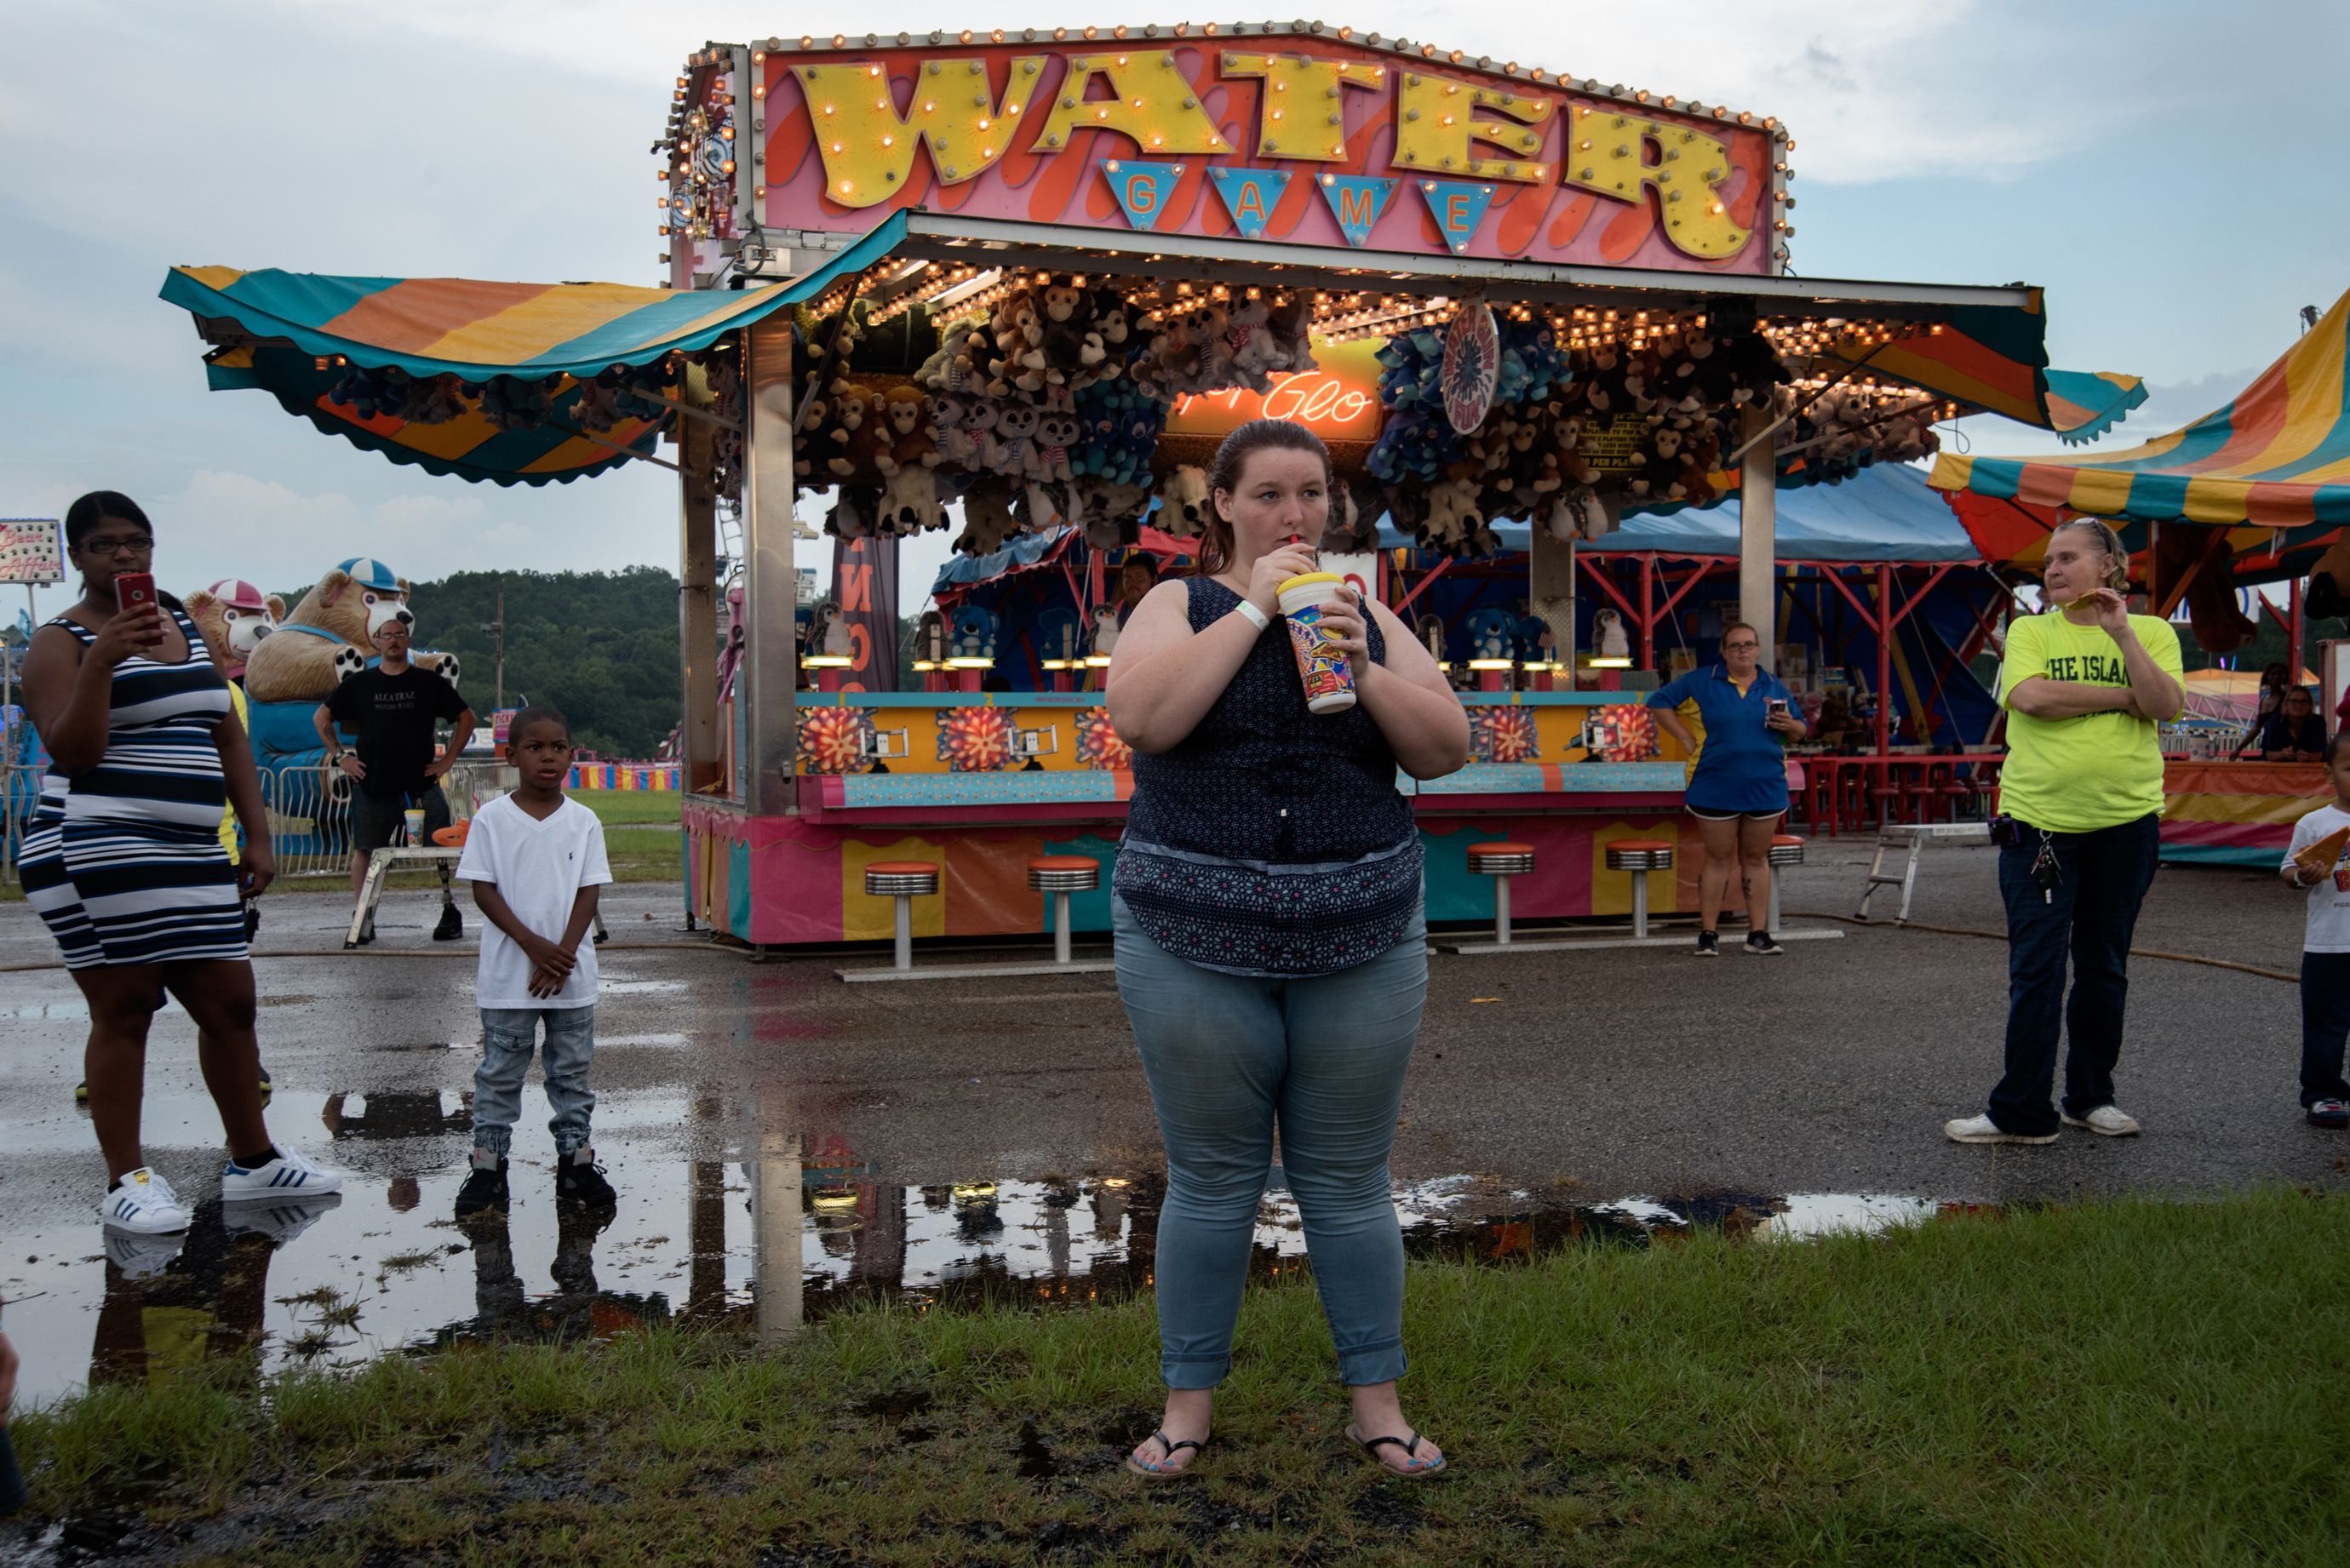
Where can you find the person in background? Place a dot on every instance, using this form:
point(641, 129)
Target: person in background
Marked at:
point(2088, 687)
point(392, 709)
point(536, 862)
point(2273, 682)
point(2325, 946)
point(124, 864)
point(1738, 785)
point(1136, 578)
point(2293, 734)
point(1272, 948)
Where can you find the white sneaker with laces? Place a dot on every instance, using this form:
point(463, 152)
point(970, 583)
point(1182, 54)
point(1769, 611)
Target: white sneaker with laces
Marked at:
point(2111, 1121)
point(1982, 1129)
point(291, 1173)
point(283, 1220)
point(143, 1203)
point(142, 1257)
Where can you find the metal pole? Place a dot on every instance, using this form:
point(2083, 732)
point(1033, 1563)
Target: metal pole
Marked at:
point(1647, 612)
point(1884, 659)
point(1639, 903)
point(1501, 911)
point(502, 642)
point(2295, 632)
point(697, 733)
point(770, 660)
point(905, 953)
point(1758, 534)
point(1060, 928)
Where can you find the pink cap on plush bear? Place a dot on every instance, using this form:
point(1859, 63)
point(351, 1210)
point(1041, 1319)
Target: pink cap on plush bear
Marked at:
point(238, 594)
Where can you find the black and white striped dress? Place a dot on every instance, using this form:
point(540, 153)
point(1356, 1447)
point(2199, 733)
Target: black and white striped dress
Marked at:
point(124, 862)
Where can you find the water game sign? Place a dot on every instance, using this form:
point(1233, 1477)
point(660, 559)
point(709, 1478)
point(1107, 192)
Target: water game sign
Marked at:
point(1289, 137)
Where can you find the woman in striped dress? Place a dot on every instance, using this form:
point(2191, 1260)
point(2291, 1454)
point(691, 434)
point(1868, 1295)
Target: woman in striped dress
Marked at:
point(124, 861)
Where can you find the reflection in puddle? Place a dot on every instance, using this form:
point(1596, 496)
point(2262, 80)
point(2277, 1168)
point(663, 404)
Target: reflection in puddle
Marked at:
point(782, 1233)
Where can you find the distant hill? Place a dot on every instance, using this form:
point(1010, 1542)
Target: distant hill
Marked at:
point(601, 646)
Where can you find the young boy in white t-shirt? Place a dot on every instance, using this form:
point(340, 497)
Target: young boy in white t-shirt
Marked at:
point(2325, 951)
point(536, 860)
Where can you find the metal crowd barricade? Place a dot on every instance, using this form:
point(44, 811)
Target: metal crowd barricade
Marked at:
point(309, 820)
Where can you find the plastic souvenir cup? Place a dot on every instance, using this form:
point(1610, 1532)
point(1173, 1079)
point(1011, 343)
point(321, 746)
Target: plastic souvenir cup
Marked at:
point(1329, 679)
point(414, 817)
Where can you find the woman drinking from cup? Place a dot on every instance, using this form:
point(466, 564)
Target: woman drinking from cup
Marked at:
point(1738, 789)
point(2087, 686)
point(1270, 947)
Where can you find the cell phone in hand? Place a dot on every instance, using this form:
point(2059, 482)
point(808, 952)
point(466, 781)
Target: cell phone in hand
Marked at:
point(1778, 707)
point(134, 590)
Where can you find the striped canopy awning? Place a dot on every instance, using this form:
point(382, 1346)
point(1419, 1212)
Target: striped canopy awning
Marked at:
point(2278, 456)
point(295, 335)
point(1997, 361)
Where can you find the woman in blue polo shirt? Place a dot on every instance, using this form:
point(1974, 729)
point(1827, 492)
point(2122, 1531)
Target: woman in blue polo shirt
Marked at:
point(1738, 789)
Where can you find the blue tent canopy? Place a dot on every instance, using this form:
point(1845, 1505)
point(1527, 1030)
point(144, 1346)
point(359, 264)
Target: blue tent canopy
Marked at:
point(1880, 515)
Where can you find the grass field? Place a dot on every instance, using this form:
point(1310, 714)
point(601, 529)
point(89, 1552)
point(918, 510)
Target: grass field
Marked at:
point(640, 831)
point(2123, 1383)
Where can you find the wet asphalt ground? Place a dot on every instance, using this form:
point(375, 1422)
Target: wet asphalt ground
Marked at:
point(780, 1138)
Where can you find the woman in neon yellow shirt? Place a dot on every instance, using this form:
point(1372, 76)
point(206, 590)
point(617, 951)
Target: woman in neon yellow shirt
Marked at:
point(2087, 687)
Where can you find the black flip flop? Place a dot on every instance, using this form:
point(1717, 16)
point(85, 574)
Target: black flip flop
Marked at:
point(1159, 1472)
point(1411, 1447)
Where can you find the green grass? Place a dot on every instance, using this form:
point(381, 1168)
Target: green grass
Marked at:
point(2121, 1383)
point(619, 809)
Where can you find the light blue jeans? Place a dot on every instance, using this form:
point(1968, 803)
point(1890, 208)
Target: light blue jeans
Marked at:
point(509, 1035)
point(1229, 1058)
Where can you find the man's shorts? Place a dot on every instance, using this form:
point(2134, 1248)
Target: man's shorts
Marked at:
point(377, 819)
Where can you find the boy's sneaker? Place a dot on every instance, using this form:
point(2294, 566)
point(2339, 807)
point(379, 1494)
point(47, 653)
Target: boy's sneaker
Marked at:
point(2108, 1121)
point(1709, 945)
point(484, 1192)
point(2329, 1114)
point(579, 1181)
point(1759, 944)
point(289, 1173)
point(1982, 1129)
point(452, 926)
point(143, 1203)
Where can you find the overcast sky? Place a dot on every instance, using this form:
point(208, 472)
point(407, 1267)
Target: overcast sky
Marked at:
point(2170, 172)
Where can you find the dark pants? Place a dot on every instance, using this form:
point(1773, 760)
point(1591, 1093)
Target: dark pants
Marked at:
point(2091, 913)
point(2325, 1026)
point(376, 819)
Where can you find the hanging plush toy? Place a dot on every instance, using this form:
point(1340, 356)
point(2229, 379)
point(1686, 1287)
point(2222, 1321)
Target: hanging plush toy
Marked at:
point(1183, 503)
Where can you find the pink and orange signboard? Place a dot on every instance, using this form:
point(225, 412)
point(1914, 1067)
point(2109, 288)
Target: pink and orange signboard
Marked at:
point(1288, 136)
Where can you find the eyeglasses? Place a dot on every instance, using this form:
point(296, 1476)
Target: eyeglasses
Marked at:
point(1741, 646)
point(141, 545)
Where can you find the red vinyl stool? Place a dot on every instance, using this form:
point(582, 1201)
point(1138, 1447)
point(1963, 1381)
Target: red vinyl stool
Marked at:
point(1062, 875)
point(1640, 857)
point(905, 881)
point(1786, 850)
point(1501, 859)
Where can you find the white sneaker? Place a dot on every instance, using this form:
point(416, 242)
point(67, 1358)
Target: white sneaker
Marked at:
point(282, 1221)
point(142, 1257)
point(2112, 1121)
point(143, 1203)
point(290, 1173)
point(1982, 1129)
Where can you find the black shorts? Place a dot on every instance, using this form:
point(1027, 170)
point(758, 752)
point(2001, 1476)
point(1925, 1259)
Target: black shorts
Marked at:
point(377, 819)
point(1735, 815)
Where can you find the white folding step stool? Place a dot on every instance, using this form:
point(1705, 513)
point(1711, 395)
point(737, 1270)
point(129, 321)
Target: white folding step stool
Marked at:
point(1913, 837)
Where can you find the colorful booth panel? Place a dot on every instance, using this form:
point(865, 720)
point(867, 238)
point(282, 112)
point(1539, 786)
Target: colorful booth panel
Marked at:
point(779, 881)
point(2237, 813)
point(624, 775)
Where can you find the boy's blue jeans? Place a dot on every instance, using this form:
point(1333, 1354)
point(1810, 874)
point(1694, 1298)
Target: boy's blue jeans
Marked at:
point(2325, 1026)
point(2090, 915)
point(509, 1035)
point(1230, 1058)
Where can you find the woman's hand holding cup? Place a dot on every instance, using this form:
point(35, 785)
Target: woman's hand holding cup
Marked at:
point(1345, 628)
point(1273, 568)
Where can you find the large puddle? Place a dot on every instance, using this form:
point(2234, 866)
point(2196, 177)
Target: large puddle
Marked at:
point(759, 1243)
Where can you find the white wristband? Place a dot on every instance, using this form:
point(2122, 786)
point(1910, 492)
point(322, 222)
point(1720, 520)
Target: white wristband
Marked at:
point(1261, 620)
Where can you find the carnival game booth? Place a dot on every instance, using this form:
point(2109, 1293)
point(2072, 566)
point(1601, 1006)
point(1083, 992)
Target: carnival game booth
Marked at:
point(2256, 492)
point(924, 280)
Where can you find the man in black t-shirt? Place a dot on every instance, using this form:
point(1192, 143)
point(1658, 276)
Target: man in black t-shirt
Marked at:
point(393, 710)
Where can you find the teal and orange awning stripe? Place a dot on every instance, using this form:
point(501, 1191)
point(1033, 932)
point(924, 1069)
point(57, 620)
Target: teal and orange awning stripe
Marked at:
point(2277, 456)
point(1996, 360)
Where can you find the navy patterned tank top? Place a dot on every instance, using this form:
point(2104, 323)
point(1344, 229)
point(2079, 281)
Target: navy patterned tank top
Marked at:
point(1270, 841)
